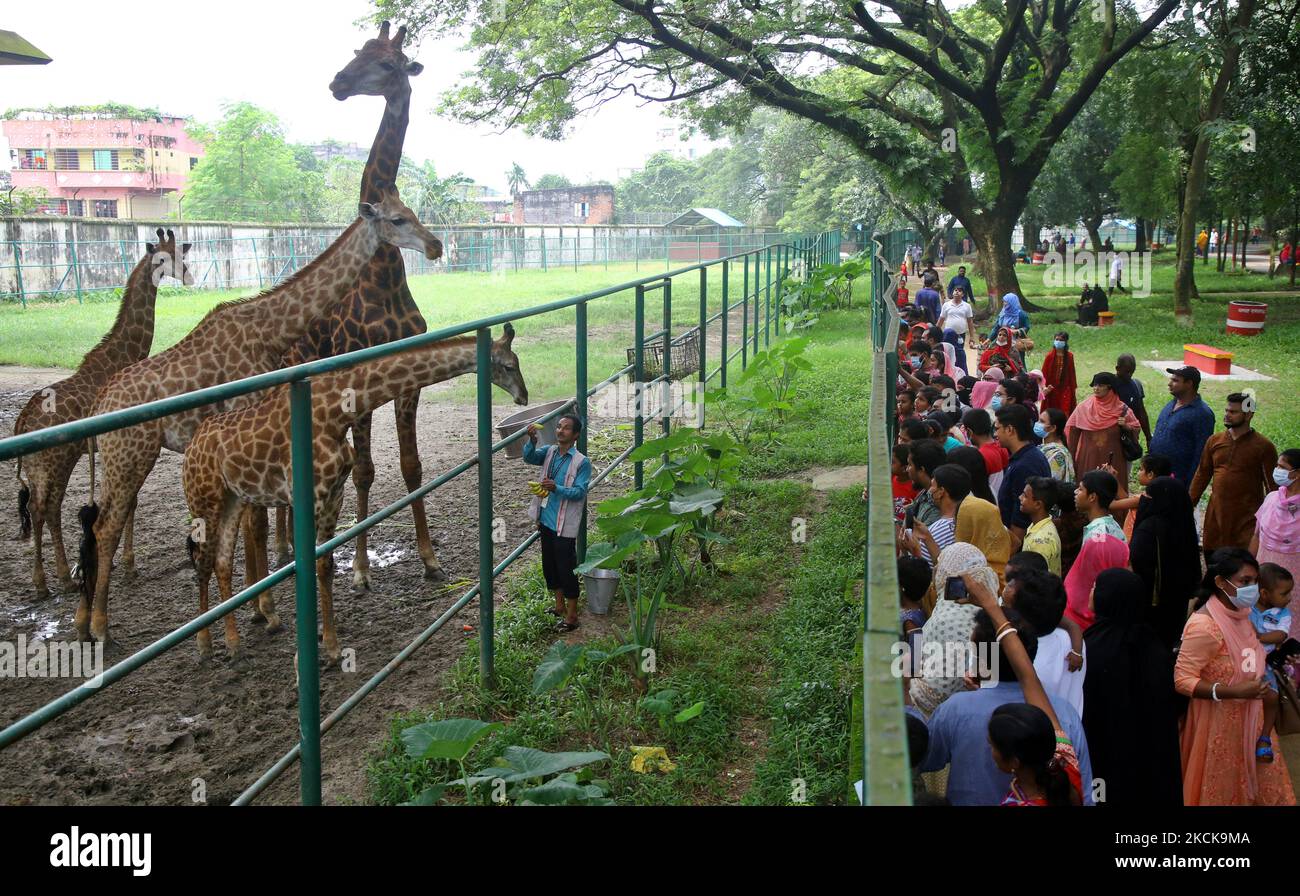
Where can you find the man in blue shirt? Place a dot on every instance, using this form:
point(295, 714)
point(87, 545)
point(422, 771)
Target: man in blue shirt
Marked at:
point(1015, 432)
point(928, 299)
point(559, 516)
point(961, 280)
point(959, 732)
point(1184, 425)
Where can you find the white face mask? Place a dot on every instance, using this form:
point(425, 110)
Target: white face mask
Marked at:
point(1245, 596)
point(1282, 477)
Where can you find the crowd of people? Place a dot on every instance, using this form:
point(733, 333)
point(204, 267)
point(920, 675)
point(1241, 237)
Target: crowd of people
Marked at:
point(1114, 652)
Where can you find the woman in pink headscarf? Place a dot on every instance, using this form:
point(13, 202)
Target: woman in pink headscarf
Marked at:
point(1220, 667)
point(982, 392)
point(1092, 432)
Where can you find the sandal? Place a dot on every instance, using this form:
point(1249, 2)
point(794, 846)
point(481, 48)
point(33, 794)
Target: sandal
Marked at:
point(563, 626)
point(1264, 749)
point(555, 612)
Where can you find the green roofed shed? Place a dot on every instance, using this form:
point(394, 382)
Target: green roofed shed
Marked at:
point(14, 50)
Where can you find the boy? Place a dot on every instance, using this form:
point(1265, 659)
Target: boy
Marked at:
point(1272, 621)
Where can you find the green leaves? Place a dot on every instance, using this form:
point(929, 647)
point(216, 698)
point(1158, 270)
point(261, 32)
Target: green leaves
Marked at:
point(662, 703)
point(446, 739)
point(556, 667)
point(525, 763)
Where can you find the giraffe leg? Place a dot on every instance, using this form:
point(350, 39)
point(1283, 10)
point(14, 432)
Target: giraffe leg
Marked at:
point(227, 537)
point(36, 507)
point(404, 408)
point(326, 519)
point(282, 553)
point(128, 545)
point(122, 481)
point(265, 609)
point(203, 572)
point(363, 476)
point(54, 516)
point(252, 574)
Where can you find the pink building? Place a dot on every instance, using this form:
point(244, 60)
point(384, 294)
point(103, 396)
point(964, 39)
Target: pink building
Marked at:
point(102, 167)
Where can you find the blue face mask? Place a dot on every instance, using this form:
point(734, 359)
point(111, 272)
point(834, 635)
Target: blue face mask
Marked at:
point(1282, 477)
point(1059, 344)
point(996, 403)
point(1245, 596)
point(1040, 430)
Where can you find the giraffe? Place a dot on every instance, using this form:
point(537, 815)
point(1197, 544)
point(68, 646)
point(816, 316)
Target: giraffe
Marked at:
point(235, 340)
point(380, 308)
point(40, 497)
point(243, 458)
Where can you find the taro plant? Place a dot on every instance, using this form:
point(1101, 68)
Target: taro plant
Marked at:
point(770, 375)
point(826, 286)
point(522, 776)
point(661, 704)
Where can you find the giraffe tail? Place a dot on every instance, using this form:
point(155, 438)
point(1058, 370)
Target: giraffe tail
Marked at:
point(88, 550)
point(24, 513)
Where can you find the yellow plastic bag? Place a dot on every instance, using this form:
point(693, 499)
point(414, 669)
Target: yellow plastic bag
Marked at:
point(651, 759)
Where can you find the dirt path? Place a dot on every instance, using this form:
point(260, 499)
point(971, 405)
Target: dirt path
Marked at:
point(155, 736)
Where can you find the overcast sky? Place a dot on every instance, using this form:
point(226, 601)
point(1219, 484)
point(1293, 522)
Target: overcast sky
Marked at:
point(281, 54)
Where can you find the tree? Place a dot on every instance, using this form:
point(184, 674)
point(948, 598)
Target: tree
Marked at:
point(516, 179)
point(22, 202)
point(665, 184)
point(249, 172)
point(976, 98)
point(552, 182)
point(435, 200)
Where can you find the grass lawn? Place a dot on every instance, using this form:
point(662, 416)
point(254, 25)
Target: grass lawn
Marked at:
point(57, 334)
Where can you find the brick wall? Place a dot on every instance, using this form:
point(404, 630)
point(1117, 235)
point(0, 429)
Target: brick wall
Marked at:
point(563, 206)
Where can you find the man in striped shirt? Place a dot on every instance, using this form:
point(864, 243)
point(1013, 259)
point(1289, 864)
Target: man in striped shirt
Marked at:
point(949, 486)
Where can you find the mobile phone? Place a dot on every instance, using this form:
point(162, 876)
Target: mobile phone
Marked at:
point(1110, 459)
point(908, 518)
point(955, 588)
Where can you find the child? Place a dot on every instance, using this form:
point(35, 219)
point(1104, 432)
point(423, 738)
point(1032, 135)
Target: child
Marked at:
point(904, 487)
point(1272, 621)
point(1153, 466)
point(913, 583)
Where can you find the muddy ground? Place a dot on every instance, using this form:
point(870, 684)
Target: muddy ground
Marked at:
point(147, 739)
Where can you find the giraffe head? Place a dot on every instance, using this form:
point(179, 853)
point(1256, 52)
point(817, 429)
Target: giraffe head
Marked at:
point(397, 225)
point(505, 367)
point(379, 69)
point(166, 261)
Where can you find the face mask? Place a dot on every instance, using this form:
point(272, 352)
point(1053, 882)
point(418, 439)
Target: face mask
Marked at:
point(1058, 344)
point(1040, 430)
point(1245, 596)
point(1281, 477)
point(996, 403)
point(1002, 342)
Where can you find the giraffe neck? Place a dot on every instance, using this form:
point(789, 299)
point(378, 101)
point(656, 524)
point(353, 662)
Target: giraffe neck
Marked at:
point(131, 335)
point(386, 153)
point(376, 383)
point(282, 315)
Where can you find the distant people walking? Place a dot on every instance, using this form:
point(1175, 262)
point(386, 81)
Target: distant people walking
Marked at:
point(1202, 244)
point(1116, 280)
point(961, 281)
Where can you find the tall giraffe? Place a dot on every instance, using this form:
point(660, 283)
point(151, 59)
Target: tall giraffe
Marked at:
point(380, 309)
point(243, 457)
point(40, 498)
point(235, 340)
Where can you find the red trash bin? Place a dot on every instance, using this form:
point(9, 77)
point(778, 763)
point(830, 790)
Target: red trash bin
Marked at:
point(1246, 318)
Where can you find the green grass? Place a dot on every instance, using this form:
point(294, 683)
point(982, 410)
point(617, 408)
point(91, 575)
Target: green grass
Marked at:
point(58, 334)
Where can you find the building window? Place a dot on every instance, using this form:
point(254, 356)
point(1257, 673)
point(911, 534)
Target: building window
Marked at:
point(76, 207)
point(34, 160)
point(193, 162)
point(106, 160)
point(105, 208)
point(67, 160)
point(581, 210)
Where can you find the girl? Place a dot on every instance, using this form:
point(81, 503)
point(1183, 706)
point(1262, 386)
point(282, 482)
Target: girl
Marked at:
point(1001, 348)
point(1151, 467)
point(1050, 426)
point(1059, 382)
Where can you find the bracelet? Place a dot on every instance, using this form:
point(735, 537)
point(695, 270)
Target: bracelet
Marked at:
point(1010, 631)
point(1005, 625)
point(1076, 653)
point(1214, 692)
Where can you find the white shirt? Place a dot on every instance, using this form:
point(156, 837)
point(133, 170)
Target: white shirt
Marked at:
point(1057, 679)
point(957, 317)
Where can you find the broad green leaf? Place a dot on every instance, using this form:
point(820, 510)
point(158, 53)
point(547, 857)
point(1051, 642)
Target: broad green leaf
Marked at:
point(555, 792)
point(522, 763)
point(599, 656)
point(428, 797)
point(689, 712)
point(694, 498)
point(445, 738)
point(556, 667)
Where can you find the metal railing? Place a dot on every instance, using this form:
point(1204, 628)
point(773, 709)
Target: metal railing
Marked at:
point(66, 269)
point(886, 772)
point(760, 271)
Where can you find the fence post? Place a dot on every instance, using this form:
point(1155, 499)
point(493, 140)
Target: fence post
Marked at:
point(76, 268)
point(667, 263)
point(638, 383)
point(726, 313)
point(744, 317)
point(667, 389)
point(304, 571)
point(257, 264)
point(636, 254)
point(487, 674)
point(580, 408)
point(767, 299)
point(126, 263)
point(18, 267)
point(704, 317)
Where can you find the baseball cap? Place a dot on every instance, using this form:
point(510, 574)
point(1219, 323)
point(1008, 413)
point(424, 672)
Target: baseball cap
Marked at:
point(1191, 374)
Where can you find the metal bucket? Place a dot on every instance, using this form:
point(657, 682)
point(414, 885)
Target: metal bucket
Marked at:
point(602, 584)
point(516, 422)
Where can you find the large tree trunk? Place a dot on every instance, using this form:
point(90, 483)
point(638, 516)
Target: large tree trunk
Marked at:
point(993, 242)
point(1140, 234)
point(1183, 280)
point(1093, 226)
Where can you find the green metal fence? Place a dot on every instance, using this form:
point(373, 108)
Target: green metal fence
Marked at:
point(886, 773)
point(64, 270)
point(760, 272)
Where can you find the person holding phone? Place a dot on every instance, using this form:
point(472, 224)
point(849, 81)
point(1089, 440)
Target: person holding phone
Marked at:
point(948, 488)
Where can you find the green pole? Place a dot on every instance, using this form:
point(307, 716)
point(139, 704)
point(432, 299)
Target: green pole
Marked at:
point(744, 317)
point(767, 299)
point(293, 255)
point(704, 317)
point(726, 313)
point(580, 408)
point(76, 268)
point(487, 675)
point(667, 264)
point(636, 254)
point(18, 267)
point(668, 358)
point(304, 571)
point(126, 262)
point(543, 239)
point(638, 383)
point(257, 264)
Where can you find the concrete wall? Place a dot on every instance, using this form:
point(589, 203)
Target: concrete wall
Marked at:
point(561, 206)
point(254, 256)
